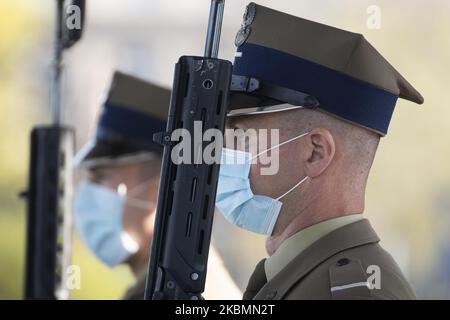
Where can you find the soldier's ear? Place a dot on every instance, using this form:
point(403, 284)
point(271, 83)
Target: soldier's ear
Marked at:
point(320, 146)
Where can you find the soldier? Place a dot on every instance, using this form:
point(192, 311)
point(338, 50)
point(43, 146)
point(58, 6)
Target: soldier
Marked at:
point(331, 95)
point(115, 206)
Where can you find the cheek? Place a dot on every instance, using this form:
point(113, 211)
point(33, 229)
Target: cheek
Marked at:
point(265, 185)
point(256, 181)
point(133, 220)
point(288, 174)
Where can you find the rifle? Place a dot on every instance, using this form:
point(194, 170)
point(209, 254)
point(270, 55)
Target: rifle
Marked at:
point(49, 193)
point(186, 200)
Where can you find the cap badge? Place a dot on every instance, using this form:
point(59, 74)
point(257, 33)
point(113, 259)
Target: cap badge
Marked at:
point(245, 30)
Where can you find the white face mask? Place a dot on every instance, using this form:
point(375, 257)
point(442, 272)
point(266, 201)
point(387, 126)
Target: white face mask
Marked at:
point(99, 220)
point(235, 198)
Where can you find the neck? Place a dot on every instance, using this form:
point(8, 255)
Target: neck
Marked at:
point(137, 263)
point(319, 208)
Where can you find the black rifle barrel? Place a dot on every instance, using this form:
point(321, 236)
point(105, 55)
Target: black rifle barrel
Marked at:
point(65, 37)
point(214, 28)
point(55, 93)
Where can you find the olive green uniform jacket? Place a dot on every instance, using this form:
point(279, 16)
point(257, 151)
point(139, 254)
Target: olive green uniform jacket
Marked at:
point(337, 266)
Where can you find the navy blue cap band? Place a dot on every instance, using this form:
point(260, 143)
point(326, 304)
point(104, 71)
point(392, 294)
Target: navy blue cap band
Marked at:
point(339, 94)
point(130, 125)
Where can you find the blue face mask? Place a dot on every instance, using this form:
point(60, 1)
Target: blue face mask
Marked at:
point(235, 198)
point(99, 222)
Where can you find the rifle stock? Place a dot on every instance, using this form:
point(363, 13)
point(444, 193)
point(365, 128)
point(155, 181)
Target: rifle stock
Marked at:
point(48, 213)
point(186, 200)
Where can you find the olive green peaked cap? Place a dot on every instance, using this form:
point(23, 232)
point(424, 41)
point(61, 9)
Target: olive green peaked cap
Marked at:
point(282, 59)
point(133, 111)
point(138, 95)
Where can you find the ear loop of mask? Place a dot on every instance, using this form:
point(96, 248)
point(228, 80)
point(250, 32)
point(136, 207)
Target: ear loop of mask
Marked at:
point(277, 146)
point(281, 144)
point(130, 200)
point(291, 189)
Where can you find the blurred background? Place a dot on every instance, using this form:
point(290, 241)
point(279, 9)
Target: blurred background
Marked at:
point(408, 196)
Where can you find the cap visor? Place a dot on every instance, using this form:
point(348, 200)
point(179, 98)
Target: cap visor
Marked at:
point(94, 151)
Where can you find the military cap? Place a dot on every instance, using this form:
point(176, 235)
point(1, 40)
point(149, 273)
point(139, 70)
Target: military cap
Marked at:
point(284, 62)
point(132, 112)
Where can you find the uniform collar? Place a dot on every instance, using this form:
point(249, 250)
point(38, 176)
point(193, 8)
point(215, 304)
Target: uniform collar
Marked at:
point(349, 236)
point(297, 243)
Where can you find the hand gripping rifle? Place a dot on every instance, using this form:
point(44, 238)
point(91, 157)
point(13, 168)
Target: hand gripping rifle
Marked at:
point(49, 194)
point(186, 200)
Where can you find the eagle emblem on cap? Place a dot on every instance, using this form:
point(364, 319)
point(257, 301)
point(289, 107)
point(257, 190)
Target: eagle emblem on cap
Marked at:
point(245, 30)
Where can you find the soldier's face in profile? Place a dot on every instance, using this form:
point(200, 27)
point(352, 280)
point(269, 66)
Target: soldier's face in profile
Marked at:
point(124, 178)
point(289, 156)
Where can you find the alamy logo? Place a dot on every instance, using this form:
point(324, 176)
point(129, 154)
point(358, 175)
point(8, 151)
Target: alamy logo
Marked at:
point(204, 146)
point(374, 280)
point(73, 280)
point(374, 19)
point(73, 20)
